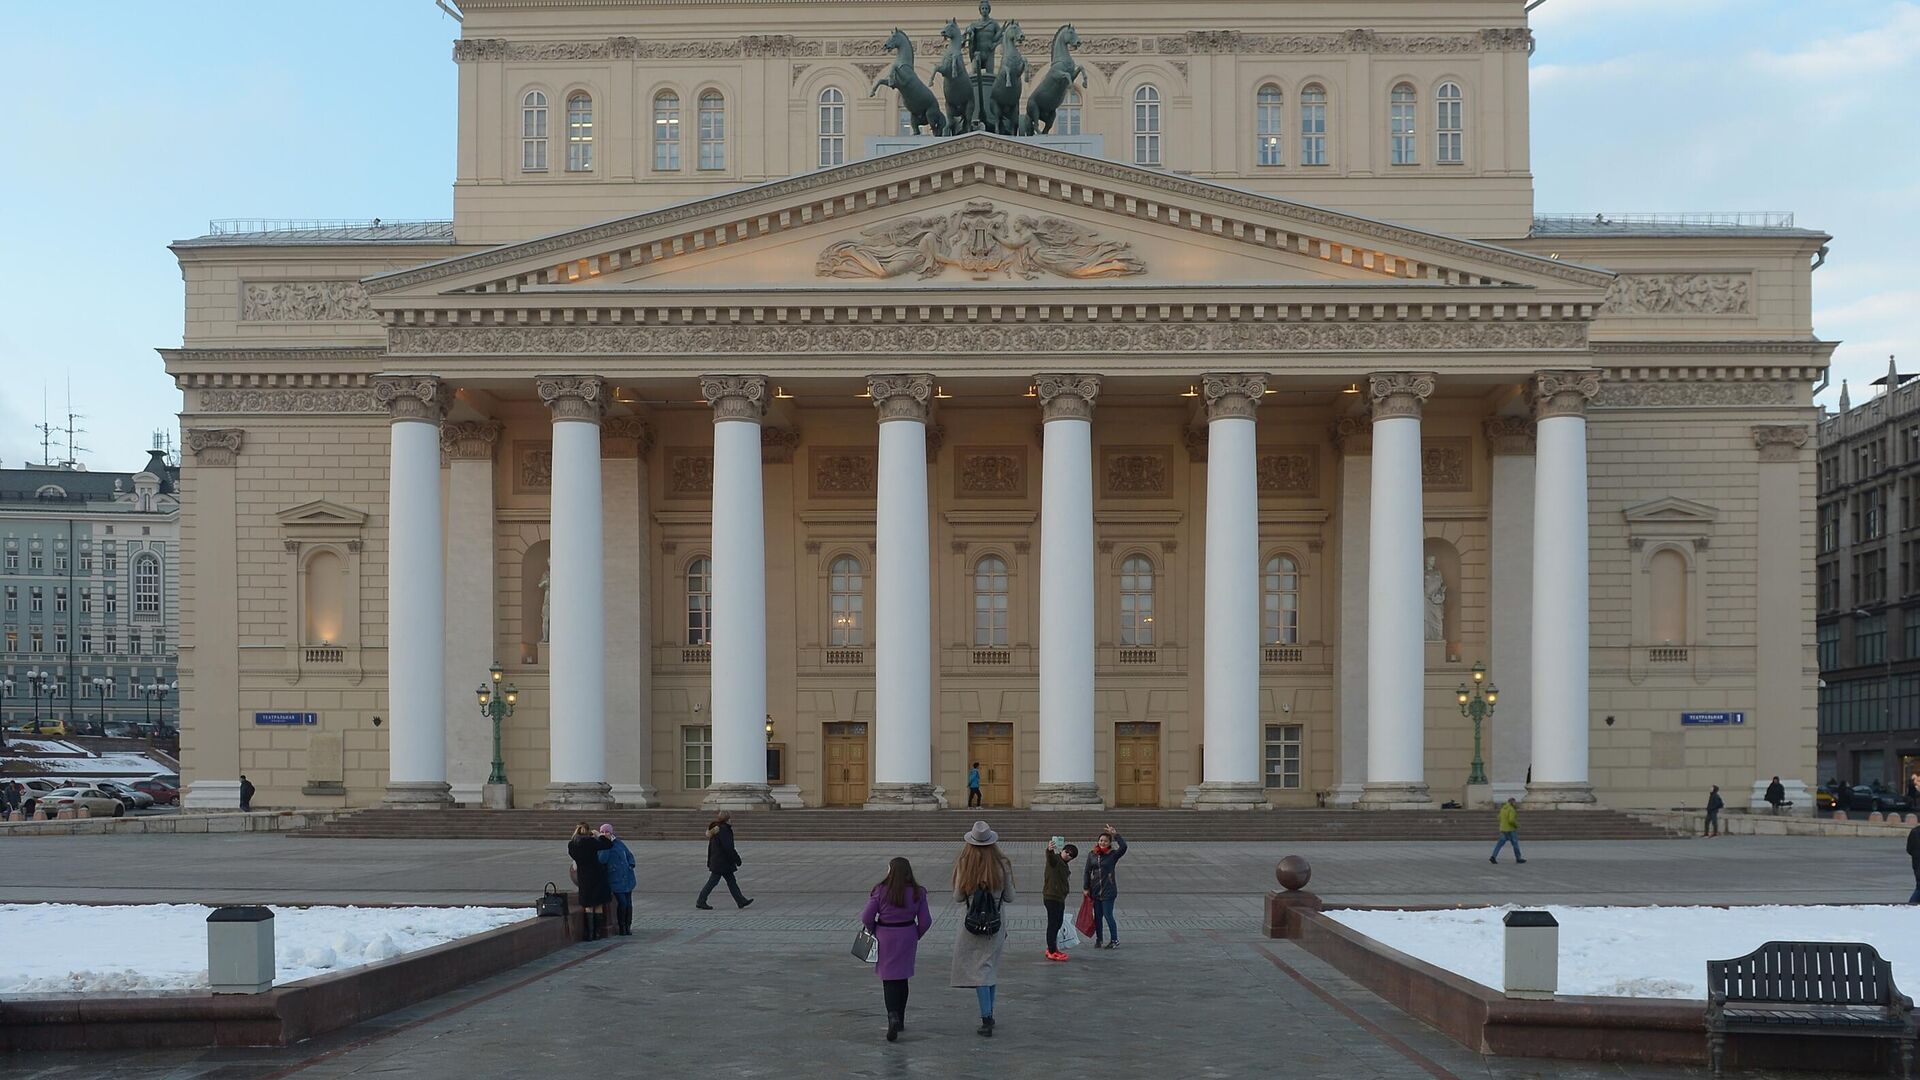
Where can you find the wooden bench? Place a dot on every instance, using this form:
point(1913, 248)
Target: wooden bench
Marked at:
point(1807, 988)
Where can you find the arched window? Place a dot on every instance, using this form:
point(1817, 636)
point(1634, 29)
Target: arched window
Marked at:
point(1400, 122)
point(1146, 126)
point(325, 599)
point(146, 584)
point(1667, 585)
point(666, 131)
point(846, 603)
point(1449, 125)
point(905, 122)
point(533, 132)
point(713, 130)
point(700, 602)
point(833, 128)
point(1313, 125)
point(1136, 601)
point(1066, 120)
point(1266, 125)
point(990, 603)
point(1280, 602)
point(579, 131)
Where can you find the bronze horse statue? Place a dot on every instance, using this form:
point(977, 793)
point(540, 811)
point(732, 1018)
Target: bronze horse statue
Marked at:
point(961, 108)
point(1003, 98)
point(1048, 94)
point(915, 96)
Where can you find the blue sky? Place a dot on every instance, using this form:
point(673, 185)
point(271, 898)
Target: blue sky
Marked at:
point(149, 119)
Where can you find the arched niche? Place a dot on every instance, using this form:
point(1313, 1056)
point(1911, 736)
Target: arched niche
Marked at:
point(324, 598)
point(1667, 593)
point(535, 605)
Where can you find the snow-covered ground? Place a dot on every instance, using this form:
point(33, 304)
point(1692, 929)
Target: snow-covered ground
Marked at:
point(68, 948)
point(1652, 952)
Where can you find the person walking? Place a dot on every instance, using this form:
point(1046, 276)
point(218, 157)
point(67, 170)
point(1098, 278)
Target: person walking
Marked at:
point(898, 917)
point(1101, 883)
point(1714, 805)
point(246, 792)
point(722, 862)
point(1509, 831)
point(973, 785)
point(618, 859)
point(1053, 891)
point(1776, 795)
point(590, 878)
point(1913, 853)
point(983, 881)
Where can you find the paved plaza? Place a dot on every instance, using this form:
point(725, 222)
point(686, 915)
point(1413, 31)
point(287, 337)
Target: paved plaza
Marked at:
point(1195, 991)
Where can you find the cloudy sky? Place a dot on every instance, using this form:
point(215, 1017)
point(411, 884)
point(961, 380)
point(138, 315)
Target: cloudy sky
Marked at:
point(148, 119)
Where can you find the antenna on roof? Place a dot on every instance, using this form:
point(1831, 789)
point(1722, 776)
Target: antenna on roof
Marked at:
point(74, 449)
point(46, 430)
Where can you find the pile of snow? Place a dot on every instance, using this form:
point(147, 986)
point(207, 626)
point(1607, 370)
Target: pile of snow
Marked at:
point(84, 948)
point(1651, 952)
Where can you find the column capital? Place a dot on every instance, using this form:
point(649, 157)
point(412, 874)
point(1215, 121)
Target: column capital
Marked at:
point(1779, 442)
point(217, 448)
point(1398, 394)
point(1233, 394)
point(469, 440)
point(1563, 393)
point(901, 397)
point(1510, 434)
point(735, 397)
point(412, 397)
point(625, 437)
point(1353, 436)
point(1066, 396)
point(574, 397)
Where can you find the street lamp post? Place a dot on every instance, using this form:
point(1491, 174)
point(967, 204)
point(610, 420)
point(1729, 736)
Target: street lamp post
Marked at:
point(155, 692)
point(497, 700)
point(6, 691)
point(41, 685)
point(100, 684)
point(1476, 703)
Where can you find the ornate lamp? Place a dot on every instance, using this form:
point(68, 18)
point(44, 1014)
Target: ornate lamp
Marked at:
point(497, 700)
point(1477, 703)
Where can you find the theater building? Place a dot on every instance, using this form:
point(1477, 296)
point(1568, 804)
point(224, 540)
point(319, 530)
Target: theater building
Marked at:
point(1192, 452)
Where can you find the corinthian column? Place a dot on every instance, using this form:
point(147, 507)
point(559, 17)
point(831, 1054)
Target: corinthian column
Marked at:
point(903, 627)
point(416, 593)
point(1231, 666)
point(1396, 637)
point(1066, 594)
point(469, 448)
point(1560, 589)
point(577, 717)
point(739, 664)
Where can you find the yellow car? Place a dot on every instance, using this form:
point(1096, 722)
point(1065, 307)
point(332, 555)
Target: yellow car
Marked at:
point(51, 727)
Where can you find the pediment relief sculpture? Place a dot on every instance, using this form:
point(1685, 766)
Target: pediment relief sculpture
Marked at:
point(980, 239)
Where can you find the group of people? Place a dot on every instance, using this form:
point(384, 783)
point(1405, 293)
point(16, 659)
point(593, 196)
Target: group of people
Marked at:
point(18, 796)
point(603, 872)
point(898, 915)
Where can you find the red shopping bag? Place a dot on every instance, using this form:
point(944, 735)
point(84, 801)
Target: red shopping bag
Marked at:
point(1083, 922)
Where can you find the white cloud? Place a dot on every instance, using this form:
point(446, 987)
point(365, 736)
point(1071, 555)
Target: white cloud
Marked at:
point(1893, 44)
point(1560, 14)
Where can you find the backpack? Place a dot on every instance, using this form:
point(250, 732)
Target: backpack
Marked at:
point(983, 913)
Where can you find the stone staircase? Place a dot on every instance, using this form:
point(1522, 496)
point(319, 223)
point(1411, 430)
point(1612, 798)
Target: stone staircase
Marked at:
point(1303, 826)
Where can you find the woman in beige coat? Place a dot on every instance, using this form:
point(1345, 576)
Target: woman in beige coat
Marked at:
point(981, 871)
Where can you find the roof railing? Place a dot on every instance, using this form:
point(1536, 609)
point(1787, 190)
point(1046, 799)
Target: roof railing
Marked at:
point(1708, 219)
point(236, 226)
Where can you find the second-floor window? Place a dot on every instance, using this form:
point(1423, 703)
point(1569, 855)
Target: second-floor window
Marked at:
point(666, 130)
point(60, 600)
point(1280, 612)
point(1146, 126)
point(700, 602)
point(1401, 120)
point(990, 603)
point(1449, 125)
point(833, 128)
point(36, 600)
point(1136, 601)
point(533, 132)
point(146, 585)
point(1313, 125)
point(579, 132)
point(846, 603)
point(1266, 126)
point(713, 130)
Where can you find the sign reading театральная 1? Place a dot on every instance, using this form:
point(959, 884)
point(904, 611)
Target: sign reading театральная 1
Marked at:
point(293, 718)
point(1712, 718)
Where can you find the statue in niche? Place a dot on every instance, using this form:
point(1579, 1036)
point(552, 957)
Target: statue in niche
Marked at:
point(1433, 589)
point(546, 606)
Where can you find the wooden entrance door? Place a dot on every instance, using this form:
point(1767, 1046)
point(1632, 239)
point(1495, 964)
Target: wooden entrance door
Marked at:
point(992, 746)
point(1136, 764)
point(847, 755)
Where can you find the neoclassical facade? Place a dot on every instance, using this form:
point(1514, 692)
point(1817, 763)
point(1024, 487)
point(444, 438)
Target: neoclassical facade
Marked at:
point(1190, 454)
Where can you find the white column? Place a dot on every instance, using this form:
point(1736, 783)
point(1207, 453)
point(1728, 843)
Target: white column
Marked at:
point(624, 443)
point(1231, 663)
point(1508, 742)
point(577, 695)
point(469, 449)
point(416, 594)
point(1066, 594)
point(903, 621)
point(739, 664)
point(210, 718)
point(1353, 437)
point(1560, 723)
point(1396, 636)
point(1785, 690)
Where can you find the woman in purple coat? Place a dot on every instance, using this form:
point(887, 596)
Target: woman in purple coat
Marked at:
point(898, 916)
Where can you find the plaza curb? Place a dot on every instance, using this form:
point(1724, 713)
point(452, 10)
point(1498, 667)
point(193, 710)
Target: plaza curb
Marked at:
point(231, 821)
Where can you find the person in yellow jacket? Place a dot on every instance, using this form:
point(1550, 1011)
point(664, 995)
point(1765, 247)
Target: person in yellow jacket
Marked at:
point(1509, 831)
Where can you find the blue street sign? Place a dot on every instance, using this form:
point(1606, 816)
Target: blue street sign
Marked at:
point(1713, 719)
point(294, 718)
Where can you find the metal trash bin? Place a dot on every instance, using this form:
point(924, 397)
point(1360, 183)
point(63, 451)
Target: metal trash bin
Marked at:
point(1533, 954)
point(240, 950)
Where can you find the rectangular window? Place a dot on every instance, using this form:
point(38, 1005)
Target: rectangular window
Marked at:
point(86, 561)
point(36, 561)
point(579, 133)
point(13, 598)
point(112, 600)
point(133, 643)
point(1401, 120)
point(60, 562)
point(1283, 756)
point(1869, 640)
point(13, 560)
point(112, 558)
point(533, 132)
point(113, 643)
point(696, 758)
point(1313, 126)
point(60, 600)
point(86, 601)
point(1828, 637)
point(1266, 126)
point(1912, 627)
point(35, 601)
point(35, 641)
point(160, 643)
point(666, 132)
point(713, 132)
point(86, 642)
point(60, 640)
point(13, 640)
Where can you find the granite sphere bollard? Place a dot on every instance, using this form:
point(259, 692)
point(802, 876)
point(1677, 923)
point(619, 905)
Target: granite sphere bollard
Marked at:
point(1293, 873)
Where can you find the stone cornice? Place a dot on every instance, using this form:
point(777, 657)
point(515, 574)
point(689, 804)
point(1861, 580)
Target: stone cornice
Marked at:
point(342, 401)
point(901, 397)
point(298, 359)
point(1733, 347)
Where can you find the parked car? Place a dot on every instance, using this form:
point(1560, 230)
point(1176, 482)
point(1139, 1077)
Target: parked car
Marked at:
point(57, 728)
point(133, 797)
point(1863, 798)
point(97, 802)
point(1823, 799)
point(120, 729)
point(40, 785)
point(164, 794)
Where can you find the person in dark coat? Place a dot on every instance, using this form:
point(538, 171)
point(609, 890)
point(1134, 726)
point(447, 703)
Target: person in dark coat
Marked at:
point(590, 877)
point(618, 859)
point(1054, 886)
point(246, 792)
point(1100, 883)
point(898, 917)
point(722, 862)
point(1776, 794)
point(1714, 805)
point(1913, 853)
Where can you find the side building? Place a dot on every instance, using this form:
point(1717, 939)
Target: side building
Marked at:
point(90, 581)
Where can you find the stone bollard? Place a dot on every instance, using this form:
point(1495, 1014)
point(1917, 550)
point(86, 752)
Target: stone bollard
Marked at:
point(1533, 954)
point(82, 812)
point(1913, 819)
point(1876, 816)
point(240, 950)
point(1282, 918)
point(1839, 815)
point(65, 814)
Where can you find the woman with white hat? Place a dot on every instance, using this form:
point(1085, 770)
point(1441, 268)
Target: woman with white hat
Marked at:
point(983, 881)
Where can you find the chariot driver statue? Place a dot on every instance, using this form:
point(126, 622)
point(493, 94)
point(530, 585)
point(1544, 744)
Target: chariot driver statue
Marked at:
point(982, 41)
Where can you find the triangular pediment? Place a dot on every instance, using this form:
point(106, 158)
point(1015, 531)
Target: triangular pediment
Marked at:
point(978, 210)
point(1671, 510)
point(321, 513)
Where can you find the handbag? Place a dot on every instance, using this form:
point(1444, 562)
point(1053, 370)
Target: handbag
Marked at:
point(1069, 937)
point(553, 902)
point(866, 947)
point(1083, 922)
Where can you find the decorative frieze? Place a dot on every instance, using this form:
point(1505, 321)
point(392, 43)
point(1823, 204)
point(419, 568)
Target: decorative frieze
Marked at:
point(1679, 294)
point(689, 472)
point(1135, 472)
point(842, 472)
point(1397, 394)
point(532, 466)
point(217, 448)
point(1446, 463)
point(982, 239)
point(412, 397)
point(574, 397)
point(1288, 470)
point(777, 445)
point(469, 440)
point(901, 397)
point(990, 472)
point(305, 301)
point(735, 397)
point(1780, 442)
point(1233, 394)
point(1066, 397)
point(326, 400)
point(1509, 434)
point(1563, 393)
point(1698, 395)
point(625, 437)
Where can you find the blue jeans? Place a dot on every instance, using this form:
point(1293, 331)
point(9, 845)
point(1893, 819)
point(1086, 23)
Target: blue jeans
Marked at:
point(1103, 912)
point(1505, 839)
point(985, 994)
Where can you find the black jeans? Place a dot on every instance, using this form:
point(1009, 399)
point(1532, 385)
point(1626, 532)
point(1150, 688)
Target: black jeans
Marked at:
point(1056, 911)
point(623, 905)
point(1713, 821)
point(973, 796)
point(895, 993)
point(732, 887)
